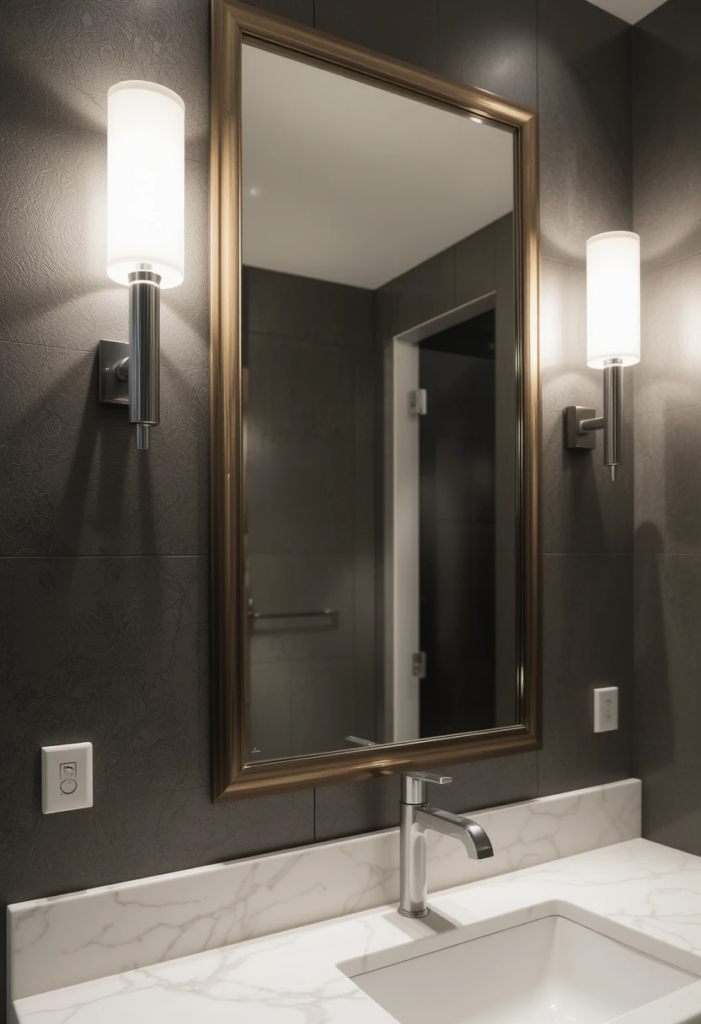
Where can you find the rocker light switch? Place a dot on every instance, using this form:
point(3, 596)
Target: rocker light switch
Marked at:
point(606, 709)
point(66, 777)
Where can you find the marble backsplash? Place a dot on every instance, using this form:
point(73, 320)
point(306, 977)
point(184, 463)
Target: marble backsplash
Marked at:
point(79, 937)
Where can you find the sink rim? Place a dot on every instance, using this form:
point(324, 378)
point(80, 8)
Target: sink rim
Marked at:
point(681, 1007)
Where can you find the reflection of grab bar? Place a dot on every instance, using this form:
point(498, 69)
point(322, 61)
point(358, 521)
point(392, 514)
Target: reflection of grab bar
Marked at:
point(314, 614)
point(358, 741)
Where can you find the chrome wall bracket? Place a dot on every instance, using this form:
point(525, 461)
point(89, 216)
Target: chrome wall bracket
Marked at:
point(113, 363)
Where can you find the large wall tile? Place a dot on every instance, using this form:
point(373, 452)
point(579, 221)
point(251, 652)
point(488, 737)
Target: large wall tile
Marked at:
point(491, 45)
point(667, 77)
point(667, 69)
point(667, 753)
point(369, 806)
point(588, 642)
point(54, 289)
point(583, 509)
point(115, 651)
point(297, 582)
point(295, 10)
point(670, 368)
point(407, 29)
point(57, 62)
point(668, 482)
point(425, 291)
point(316, 520)
point(475, 265)
point(584, 96)
point(304, 309)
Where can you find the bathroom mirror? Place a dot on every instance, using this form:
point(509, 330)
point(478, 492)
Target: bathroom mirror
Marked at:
point(375, 413)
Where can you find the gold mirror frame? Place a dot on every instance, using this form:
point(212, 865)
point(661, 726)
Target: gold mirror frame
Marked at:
point(232, 24)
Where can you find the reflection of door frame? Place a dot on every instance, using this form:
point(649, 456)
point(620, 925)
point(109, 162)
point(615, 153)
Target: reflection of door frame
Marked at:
point(401, 688)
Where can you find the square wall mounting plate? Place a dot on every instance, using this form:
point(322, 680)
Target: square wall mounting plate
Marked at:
point(113, 388)
point(574, 414)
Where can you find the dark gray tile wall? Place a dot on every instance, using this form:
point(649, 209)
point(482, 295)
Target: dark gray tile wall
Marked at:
point(584, 93)
point(667, 136)
point(121, 543)
point(311, 500)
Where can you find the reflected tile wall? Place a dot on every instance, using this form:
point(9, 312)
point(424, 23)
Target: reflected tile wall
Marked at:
point(311, 500)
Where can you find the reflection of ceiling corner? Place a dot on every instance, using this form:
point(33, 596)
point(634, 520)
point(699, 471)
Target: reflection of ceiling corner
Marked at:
point(631, 11)
point(347, 182)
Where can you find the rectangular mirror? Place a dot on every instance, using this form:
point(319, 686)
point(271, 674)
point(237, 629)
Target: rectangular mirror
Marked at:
point(375, 413)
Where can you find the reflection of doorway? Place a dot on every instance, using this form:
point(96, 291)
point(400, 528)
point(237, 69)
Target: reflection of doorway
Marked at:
point(437, 348)
point(457, 527)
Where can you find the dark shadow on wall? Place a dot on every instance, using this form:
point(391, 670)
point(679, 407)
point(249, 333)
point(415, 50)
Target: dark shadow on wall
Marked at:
point(579, 480)
point(25, 87)
point(654, 744)
point(104, 442)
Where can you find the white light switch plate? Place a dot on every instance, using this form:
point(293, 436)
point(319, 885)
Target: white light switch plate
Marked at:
point(66, 777)
point(606, 709)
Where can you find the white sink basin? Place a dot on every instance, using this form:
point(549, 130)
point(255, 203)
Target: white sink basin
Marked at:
point(552, 970)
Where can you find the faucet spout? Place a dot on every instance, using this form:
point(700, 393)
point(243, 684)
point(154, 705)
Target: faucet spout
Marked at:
point(471, 835)
point(416, 819)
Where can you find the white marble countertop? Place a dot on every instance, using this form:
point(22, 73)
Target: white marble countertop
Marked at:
point(293, 977)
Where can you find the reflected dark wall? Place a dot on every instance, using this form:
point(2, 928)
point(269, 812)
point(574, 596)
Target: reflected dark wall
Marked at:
point(668, 425)
point(104, 555)
point(457, 530)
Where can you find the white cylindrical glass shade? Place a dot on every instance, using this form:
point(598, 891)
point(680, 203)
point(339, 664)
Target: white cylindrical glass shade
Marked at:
point(145, 182)
point(613, 298)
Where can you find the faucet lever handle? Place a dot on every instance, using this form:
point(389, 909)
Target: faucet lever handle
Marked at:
point(437, 780)
point(414, 785)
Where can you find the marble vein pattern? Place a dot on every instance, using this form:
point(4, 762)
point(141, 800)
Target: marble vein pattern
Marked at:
point(304, 976)
point(120, 930)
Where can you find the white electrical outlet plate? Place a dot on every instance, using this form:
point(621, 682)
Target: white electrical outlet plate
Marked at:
point(66, 777)
point(606, 709)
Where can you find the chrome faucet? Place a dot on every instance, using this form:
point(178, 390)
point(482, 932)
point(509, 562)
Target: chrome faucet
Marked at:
point(415, 820)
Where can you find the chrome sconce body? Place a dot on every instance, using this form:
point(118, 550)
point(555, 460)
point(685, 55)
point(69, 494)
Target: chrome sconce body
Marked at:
point(582, 424)
point(130, 371)
point(144, 353)
point(613, 339)
point(145, 201)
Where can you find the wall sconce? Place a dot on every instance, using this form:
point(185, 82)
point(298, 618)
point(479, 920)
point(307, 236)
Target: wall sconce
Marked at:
point(613, 338)
point(145, 238)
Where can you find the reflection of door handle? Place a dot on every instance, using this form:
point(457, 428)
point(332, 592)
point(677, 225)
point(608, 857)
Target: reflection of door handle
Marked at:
point(418, 664)
point(358, 741)
point(418, 402)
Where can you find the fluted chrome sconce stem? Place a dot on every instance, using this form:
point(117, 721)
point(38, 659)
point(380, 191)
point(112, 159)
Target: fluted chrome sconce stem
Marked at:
point(144, 353)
